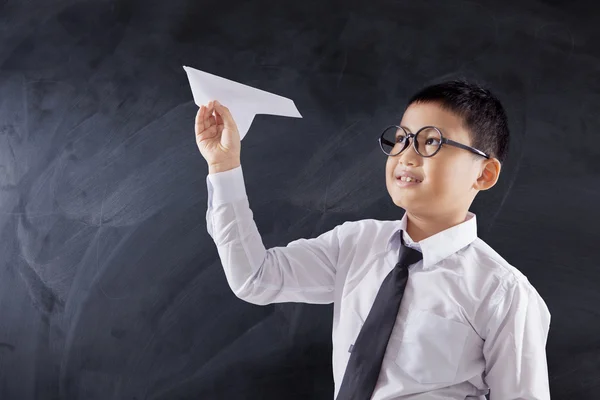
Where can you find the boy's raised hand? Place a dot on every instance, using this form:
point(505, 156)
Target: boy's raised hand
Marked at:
point(218, 139)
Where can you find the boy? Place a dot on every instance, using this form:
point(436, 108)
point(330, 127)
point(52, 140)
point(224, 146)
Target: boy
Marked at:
point(468, 323)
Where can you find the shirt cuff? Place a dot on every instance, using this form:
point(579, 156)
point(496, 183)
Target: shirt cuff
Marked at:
point(227, 186)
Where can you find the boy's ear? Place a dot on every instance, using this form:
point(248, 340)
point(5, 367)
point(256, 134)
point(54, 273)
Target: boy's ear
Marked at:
point(489, 174)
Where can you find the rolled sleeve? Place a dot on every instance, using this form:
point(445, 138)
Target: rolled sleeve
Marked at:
point(515, 345)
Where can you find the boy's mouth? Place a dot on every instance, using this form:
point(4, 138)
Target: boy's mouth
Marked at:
point(407, 176)
point(408, 179)
point(405, 181)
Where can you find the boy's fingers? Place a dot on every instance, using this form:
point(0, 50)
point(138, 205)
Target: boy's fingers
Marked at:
point(199, 120)
point(225, 115)
point(207, 114)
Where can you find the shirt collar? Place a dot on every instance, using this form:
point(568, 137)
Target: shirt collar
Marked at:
point(441, 245)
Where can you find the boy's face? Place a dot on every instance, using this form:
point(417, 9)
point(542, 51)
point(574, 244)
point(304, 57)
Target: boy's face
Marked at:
point(448, 179)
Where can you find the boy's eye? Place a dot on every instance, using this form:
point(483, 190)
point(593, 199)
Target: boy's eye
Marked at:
point(432, 141)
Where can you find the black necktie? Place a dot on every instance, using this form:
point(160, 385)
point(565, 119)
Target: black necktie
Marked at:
point(367, 353)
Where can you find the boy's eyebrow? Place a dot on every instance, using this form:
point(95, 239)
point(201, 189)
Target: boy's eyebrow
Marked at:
point(408, 129)
point(443, 130)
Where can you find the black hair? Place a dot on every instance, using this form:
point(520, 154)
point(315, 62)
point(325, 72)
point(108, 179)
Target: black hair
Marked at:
point(481, 112)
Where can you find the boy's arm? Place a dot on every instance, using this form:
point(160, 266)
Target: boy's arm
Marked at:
point(303, 271)
point(515, 345)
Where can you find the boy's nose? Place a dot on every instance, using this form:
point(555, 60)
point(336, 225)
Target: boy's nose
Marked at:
point(409, 155)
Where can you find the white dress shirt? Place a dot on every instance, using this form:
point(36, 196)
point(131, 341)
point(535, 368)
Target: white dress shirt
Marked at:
point(469, 321)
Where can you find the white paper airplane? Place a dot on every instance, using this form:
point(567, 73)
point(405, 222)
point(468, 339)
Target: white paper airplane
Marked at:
point(243, 101)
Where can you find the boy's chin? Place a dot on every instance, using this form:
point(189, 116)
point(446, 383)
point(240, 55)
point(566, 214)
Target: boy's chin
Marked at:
point(404, 199)
point(407, 205)
point(401, 204)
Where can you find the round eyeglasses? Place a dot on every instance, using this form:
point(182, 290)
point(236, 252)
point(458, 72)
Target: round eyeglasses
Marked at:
point(426, 142)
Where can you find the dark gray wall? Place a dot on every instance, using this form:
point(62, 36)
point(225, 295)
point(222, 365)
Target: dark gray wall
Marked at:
point(110, 286)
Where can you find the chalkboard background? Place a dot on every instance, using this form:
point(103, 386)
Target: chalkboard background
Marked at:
point(111, 287)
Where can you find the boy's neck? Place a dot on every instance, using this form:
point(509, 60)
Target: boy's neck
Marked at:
point(422, 227)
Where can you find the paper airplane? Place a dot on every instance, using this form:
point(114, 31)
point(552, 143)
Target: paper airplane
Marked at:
point(243, 101)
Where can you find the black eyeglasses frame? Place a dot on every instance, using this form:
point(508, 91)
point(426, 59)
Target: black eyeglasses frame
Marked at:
point(443, 141)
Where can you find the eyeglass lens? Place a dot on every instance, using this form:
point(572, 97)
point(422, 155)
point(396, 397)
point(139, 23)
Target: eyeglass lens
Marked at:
point(394, 140)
